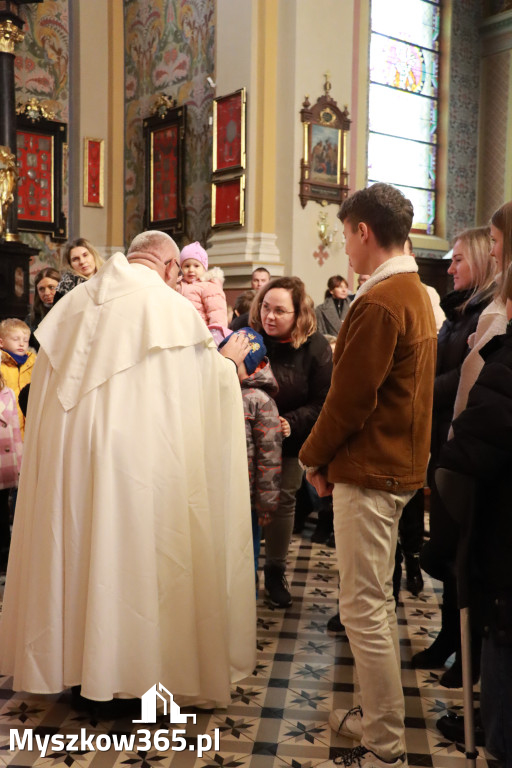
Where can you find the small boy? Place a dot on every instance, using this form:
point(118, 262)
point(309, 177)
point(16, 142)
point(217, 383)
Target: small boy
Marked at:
point(17, 359)
point(263, 434)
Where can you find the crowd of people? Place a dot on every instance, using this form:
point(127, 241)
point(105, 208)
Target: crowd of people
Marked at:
point(164, 438)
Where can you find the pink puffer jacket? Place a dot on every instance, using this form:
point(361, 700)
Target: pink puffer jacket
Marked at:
point(10, 440)
point(209, 300)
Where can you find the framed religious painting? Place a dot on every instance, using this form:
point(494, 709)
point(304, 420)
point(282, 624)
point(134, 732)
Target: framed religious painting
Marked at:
point(164, 138)
point(229, 132)
point(40, 147)
point(323, 168)
point(228, 202)
point(93, 172)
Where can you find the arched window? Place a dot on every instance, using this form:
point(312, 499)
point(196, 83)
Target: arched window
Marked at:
point(403, 101)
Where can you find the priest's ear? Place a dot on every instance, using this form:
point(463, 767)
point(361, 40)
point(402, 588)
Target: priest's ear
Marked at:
point(172, 268)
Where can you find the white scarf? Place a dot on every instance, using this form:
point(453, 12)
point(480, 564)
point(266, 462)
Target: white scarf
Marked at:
point(395, 266)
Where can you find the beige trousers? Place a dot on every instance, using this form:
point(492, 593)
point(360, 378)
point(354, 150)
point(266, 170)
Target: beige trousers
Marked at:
point(366, 529)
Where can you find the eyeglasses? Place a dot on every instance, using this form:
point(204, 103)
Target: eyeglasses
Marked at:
point(277, 312)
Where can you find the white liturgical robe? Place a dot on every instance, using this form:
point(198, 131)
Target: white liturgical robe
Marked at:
point(131, 559)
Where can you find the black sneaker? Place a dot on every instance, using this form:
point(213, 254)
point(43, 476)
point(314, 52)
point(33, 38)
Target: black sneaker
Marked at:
point(276, 586)
point(452, 728)
point(360, 757)
point(334, 625)
point(414, 577)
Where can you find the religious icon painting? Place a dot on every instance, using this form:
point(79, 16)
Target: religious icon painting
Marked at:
point(229, 132)
point(228, 208)
point(323, 168)
point(39, 147)
point(93, 172)
point(164, 137)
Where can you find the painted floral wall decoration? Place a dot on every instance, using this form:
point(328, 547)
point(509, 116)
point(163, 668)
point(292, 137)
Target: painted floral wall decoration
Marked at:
point(169, 48)
point(42, 70)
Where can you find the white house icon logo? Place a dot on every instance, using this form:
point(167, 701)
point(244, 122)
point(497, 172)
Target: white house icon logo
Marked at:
point(149, 706)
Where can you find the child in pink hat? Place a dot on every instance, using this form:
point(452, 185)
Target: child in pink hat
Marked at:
point(202, 288)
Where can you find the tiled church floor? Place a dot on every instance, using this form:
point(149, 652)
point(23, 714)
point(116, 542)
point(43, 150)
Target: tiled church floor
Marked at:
point(277, 717)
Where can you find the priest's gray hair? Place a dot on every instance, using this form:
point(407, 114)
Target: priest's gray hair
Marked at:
point(153, 241)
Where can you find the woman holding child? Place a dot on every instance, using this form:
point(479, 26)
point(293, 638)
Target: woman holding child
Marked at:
point(301, 361)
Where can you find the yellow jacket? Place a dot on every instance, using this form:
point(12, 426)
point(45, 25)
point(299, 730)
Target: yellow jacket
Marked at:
point(16, 377)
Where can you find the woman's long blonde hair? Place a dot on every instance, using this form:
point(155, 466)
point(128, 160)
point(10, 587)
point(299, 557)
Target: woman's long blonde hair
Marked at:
point(502, 220)
point(482, 267)
point(81, 242)
point(305, 318)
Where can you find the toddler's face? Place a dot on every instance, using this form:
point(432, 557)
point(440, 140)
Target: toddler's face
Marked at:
point(192, 270)
point(15, 341)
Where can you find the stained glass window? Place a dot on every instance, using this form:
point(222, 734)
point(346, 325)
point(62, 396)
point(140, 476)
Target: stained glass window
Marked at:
point(403, 101)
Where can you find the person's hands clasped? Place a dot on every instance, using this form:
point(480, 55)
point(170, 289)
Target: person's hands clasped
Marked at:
point(236, 348)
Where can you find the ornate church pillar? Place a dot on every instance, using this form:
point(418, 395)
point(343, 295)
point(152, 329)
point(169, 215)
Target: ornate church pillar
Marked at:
point(14, 255)
point(495, 127)
point(248, 58)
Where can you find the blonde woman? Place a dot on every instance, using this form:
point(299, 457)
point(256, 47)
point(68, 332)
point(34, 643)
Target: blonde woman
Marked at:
point(473, 272)
point(301, 360)
point(493, 320)
point(83, 260)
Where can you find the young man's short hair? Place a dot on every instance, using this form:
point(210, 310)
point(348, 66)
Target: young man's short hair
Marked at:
point(243, 302)
point(261, 269)
point(384, 209)
point(12, 324)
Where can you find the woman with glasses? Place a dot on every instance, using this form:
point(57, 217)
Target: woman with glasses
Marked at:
point(301, 361)
point(45, 285)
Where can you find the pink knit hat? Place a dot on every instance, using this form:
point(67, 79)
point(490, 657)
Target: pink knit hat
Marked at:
point(194, 251)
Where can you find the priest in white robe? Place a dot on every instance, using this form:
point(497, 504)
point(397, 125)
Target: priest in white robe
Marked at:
point(131, 558)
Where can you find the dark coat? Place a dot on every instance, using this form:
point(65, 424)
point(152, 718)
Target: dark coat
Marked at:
point(242, 321)
point(328, 318)
point(303, 376)
point(452, 348)
point(482, 449)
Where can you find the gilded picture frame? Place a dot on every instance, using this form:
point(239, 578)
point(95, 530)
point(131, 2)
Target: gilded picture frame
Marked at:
point(323, 168)
point(229, 116)
point(228, 202)
point(164, 139)
point(40, 149)
point(94, 165)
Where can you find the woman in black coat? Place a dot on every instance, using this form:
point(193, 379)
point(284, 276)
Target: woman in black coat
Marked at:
point(473, 276)
point(482, 449)
point(301, 360)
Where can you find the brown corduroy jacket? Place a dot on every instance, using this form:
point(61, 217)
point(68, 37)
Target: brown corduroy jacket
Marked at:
point(374, 428)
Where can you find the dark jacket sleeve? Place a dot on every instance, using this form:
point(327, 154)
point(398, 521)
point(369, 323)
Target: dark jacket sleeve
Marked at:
point(482, 445)
point(302, 419)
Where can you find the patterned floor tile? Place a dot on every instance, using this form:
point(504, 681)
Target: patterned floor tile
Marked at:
point(278, 716)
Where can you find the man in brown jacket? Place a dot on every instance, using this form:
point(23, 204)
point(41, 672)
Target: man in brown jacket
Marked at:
point(370, 446)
